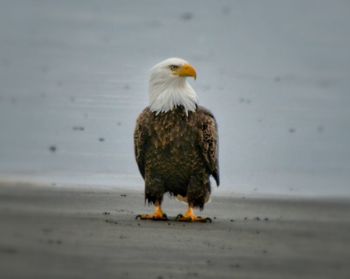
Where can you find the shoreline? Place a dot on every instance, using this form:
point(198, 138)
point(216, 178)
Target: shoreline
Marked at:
point(216, 191)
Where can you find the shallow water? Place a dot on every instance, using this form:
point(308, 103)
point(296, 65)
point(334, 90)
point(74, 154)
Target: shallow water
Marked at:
point(276, 74)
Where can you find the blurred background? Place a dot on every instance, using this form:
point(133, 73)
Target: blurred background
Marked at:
point(276, 74)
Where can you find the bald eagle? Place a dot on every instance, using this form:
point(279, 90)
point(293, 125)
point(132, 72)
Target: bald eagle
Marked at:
point(176, 141)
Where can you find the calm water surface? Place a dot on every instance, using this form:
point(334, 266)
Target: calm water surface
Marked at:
point(73, 78)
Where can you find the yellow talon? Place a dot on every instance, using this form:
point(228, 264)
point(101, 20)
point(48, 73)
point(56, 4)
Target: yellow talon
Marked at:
point(157, 215)
point(191, 217)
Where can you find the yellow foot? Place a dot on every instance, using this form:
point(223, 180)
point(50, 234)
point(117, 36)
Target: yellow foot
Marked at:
point(191, 217)
point(158, 215)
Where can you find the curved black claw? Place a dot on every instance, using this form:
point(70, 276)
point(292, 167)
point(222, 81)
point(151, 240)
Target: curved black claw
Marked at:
point(163, 218)
point(150, 217)
point(198, 219)
point(178, 217)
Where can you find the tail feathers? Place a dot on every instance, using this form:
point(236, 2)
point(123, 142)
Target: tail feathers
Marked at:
point(185, 200)
point(216, 176)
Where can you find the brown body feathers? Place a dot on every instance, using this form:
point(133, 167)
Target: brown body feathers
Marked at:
point(176, 153)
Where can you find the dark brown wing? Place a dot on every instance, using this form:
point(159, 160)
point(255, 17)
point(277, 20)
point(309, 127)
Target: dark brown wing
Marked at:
point(140, 140)
point(208, 141)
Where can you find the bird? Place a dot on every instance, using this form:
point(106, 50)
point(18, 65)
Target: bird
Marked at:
point(176, 142)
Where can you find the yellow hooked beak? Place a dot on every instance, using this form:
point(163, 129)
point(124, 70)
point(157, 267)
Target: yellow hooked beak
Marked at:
point(187, 70)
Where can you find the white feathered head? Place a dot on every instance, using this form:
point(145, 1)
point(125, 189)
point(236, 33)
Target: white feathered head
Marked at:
point(168, 87)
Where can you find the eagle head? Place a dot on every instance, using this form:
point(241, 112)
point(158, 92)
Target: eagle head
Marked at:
point(168, 87)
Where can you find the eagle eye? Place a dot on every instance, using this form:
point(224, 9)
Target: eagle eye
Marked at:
point(173, 67)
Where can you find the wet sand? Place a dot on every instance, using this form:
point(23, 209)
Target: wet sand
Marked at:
point(64, 233)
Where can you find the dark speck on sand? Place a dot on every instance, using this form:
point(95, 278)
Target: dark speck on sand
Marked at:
point(235, 265)
point(53, 148)
point(78, 128)
point(320, 129)
point(277, 79)
point(187, 16)
point(226, 10)
point(8, 250)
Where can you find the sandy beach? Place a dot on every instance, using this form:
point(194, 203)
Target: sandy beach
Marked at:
point(64, 233)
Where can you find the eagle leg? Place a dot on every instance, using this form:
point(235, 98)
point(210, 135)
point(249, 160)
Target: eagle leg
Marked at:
point(191, 217)
point(158, 215)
